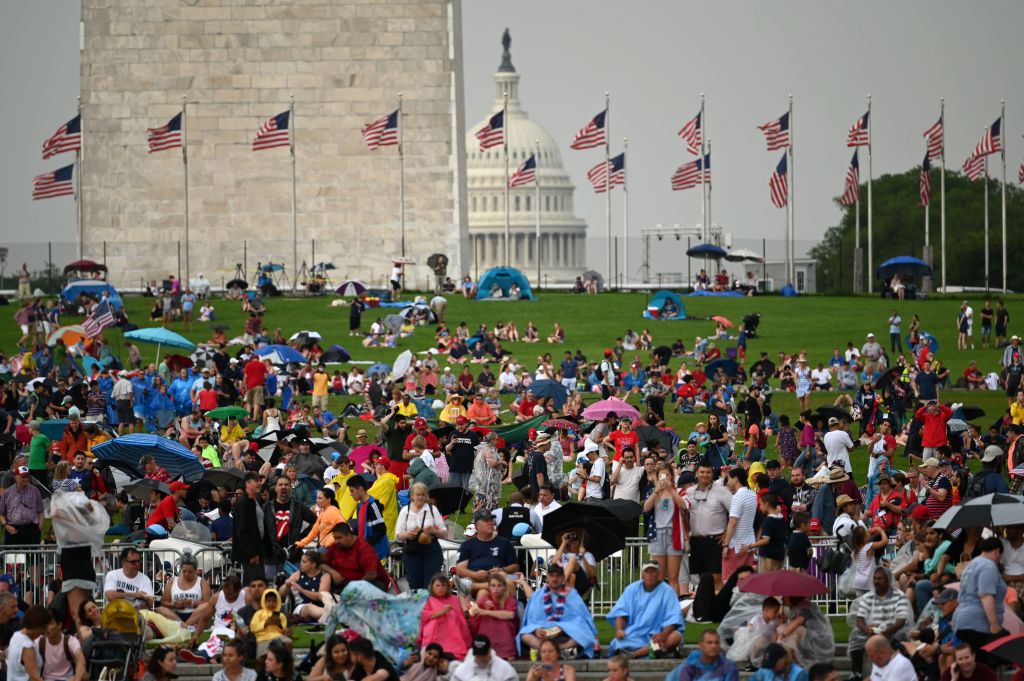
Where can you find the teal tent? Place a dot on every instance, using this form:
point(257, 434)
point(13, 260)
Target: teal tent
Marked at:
point(665, 305)
point(503, 279)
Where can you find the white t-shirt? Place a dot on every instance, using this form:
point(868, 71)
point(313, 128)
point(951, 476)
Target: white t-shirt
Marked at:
point(864, 568)
point(899, 669)
point(969, 314)
point(542, 510)
point(428, 460)
point(627, 485)
point(837, 447)
point(116, 580)
point(224, 610)
point(396, 273)
point(330, 473)
point(594, 488)
point(992, 380)
point(821, 376)
point(1013, 559)
point(743, 508)
point(15, 667)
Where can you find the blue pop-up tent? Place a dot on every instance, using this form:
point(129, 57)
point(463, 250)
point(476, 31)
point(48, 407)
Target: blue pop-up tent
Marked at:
point(171, 455)
point(92, 287)
point(503, 278)
point(665, 305)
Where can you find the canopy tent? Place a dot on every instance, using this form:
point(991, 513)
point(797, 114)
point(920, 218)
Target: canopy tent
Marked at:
point(169, 454)
point(84, 266)
point(503, 278)
point(905, 266)
point(665, 305)
point(91, 287)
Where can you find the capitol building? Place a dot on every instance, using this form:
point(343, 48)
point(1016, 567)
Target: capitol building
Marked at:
point(562, 248)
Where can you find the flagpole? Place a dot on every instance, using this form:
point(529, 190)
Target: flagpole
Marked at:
point(184, 161)
point(625, 215)
point(942, 192)
point(504, 137)
point(79, 155)
point(401, 173)
point(705, 232)
point(295, 230)
point(536, 195)
point(871, 258)
point(858, 280)
point(986, 221)
point(607, 184)
point(707, 186)
point(791, 204)
point(1002, 133)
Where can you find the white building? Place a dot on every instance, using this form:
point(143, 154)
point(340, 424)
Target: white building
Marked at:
point(562, 234)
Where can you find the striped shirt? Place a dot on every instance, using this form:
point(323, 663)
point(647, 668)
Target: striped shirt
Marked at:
point(935, 507)
point(743, 508)
point(21, 506)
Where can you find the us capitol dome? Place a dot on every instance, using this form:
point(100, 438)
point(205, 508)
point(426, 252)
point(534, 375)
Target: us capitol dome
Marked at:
point(562, 234)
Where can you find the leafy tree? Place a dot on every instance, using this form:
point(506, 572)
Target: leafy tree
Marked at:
point(898, 229)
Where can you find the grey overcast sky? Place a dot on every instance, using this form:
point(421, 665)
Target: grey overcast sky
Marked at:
point(654, 57)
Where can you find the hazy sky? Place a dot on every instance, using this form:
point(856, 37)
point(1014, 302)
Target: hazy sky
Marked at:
point(654, 57)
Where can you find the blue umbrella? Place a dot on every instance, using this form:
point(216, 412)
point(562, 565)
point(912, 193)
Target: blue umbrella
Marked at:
point(160, 336)
point(933, 342)
point(380, 369)
point(272, 267)
point(280, 354)
point(553, 389)
point(904, 265)
point(729, 366)
point(171, 455)
point(92, 287)
point(706, 250)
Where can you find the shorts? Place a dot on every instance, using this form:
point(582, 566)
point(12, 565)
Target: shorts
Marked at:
point(297, 612)
point(320, 401)
point(705, 555)
point(929, 452)
point(662, 544)
point(254, 396)
point(986, 330)
point(125, 413)
point(395, 285)
point(24, 329)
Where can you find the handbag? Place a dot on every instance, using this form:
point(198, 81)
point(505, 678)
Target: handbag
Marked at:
point(418, 544)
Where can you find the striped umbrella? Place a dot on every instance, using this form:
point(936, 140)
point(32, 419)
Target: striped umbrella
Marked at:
point(352, 287)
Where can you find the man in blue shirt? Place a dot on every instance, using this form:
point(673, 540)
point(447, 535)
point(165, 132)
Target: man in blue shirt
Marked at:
point(569, 369)
point(327, 422)
point(483, 553)
point(707, 663)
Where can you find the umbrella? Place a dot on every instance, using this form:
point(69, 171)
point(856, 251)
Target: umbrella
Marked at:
point(280, 354)
point(888, 376)
point(203, 356)
point(84, 266)
point(68, 335)
point(904, 265)
point(222, 413)
point(334, 354)
point(722, 320)
point(1009, 648)
point(325, 266)
point(402, 364)
point(436, 258)
point(729, 366)
point(420, 311)
point(706, 250)
point(140, 489)
point(597, 277)
point(553, 389)
point(990, 510)
point(305, 337)
point(602, 530)
point(380, 369)
point(237, 283)
point(160, 336)
point(829, 412)
point(178, 362)
point(272, 267)
point(743, 255)
point(970, 412)
point(783, 583)
point(404, 260)
point(765, 365)
point(351, 288)
point(561, 424)
point(956, 425)
point(170, 455)
point(48, 382)
point(599, 410)
point(232, 478)
point(663, 353)
point(393, 322)
point(927, 339)
point(652, 434)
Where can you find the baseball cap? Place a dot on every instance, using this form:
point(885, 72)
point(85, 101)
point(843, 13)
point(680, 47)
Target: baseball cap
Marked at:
point(946, 596)
point(992, 452)
point(335, 456)
point(582, 458)
point(930, 461)
point(483, 514)
point(233, 360)
point(607, 352)
point(481, 645)
point(178, 486)
point(650, 565)
point(815, 525)
point(22, 470)
point(772, 463)
point(420, 422)
point(870, 335)
point(461, 420)
point(920, 512)
point(590, 446)
point(832, 420)
point(532, 433)
point(772, 654)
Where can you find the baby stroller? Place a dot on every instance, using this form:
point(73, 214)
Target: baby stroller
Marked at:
point(118, 644)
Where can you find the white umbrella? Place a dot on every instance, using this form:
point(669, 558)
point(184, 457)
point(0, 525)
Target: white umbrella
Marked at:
point(743, 255)
point(401, 365)
point(307, 335)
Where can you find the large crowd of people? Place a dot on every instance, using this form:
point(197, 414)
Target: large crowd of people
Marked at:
point(320, 507)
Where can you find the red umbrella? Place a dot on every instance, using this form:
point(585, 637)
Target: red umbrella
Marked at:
point(563, 424)
point(783, 583)
point(722, 320)
point(1009, 648)
point(178, 362)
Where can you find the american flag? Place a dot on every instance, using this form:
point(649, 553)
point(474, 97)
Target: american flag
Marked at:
point(776, 132)
point(57, 183)
point(779, 185)
point(101, 317)
point(273, 133)
point(691, 133)
point(493, 132)
point(382, 132)
point(688, 175)
point(1020, 173)
point(592, 134)
point(67, 138)
point(614, 169)
point(991, 142)
point(936, 140)
point(924, 186)
point(851, 190)
point(974, 167)
point(525, 174)
point(166, 136)
point(860, 133)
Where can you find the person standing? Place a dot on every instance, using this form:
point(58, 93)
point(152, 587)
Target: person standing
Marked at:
point(838, 445)
point(870, 353)
point(739, 533)
point(21, 511)
point(122, 396)
point(355, 317)
point(461, 450)
point(607, 375)
point(321, 382)
point(625, 478)
point(419, 527)
point(978, 618)
point(709, 505)
point(987, 317)
point(1002, 321)
point(895, 342)
point(38, 453)
point(247, 542)
point(255, 376)
point(396, 280)
point(283, 518)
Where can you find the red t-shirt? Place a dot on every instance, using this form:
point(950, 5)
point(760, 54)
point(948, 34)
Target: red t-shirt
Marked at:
point(621, 439)
point(355, 562)
point(255, 373)
point(207, 399)
point(400, 467)
point(164, 511)
point(526, 407)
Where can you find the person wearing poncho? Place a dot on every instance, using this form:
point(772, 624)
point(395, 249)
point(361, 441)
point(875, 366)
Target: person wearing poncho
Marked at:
point(385, 490)
point(647, 613)
point(556, 605)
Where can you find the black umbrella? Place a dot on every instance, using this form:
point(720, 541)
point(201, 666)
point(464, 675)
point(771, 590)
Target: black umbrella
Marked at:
point(627, 512)
point(653, 434)
point(237, 283)
point(603, 533)
point(1009, 648)
point(232, 478)
point(970, 412)
point(829, 412)
point(663, 353)
point(765, 365)
point(140, 489)
point(449, 499)
point(888, 376)
point(335, 353)
point(436, 258)
point(990, 510)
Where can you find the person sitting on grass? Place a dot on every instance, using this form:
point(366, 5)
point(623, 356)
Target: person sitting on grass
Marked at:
point(647, 616)
point(269, 624)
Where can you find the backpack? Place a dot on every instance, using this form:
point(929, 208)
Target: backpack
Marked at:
point(67, 652)
point(976, 487)
point(835, 561)
point(598, 372)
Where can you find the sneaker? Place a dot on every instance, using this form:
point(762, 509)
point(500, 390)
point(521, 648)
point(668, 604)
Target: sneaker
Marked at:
point(186, 655)
point(569, 653)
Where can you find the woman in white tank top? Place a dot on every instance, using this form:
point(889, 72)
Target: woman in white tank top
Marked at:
point(187, 597)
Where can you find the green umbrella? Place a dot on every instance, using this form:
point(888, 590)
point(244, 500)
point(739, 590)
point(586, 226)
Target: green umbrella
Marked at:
point(223, 413)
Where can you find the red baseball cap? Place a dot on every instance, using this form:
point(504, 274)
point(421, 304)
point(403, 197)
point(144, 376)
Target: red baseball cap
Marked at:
point(532, 434)
point(419, 423)
point(178, 486)
point(384, 461)
point(461, 420)
point(607, 351)
point(920, 512)
point(815, 525)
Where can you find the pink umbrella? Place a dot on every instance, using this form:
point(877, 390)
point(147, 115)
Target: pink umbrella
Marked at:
point(599, 410)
